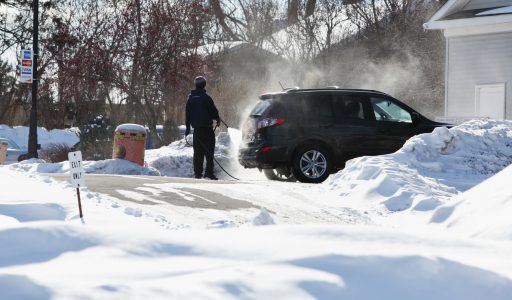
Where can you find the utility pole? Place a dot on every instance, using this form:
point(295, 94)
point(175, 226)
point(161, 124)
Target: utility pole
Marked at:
point(32, 135)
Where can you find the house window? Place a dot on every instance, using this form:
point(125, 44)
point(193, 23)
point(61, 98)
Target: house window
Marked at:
point(490, 101)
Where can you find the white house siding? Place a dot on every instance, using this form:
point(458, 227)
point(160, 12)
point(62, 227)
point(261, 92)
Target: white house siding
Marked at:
point(476, 60)
point(477, 4)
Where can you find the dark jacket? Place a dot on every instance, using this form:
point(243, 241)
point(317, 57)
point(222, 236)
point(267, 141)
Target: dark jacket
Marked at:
point(200, 110)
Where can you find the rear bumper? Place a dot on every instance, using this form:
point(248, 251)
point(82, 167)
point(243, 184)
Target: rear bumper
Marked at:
point(252, 157)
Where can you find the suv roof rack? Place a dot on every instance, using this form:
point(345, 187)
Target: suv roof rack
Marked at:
point(298, 90)
point(331, 88)
point(295, 88)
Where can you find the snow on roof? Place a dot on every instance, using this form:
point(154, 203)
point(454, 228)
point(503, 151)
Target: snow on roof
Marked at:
point(215, 48)
point(287, 42)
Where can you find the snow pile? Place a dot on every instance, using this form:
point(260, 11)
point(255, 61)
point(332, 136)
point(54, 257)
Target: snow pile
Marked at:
point(176, 159)
point(264, 218)
point(127, 252)
point(19, 135)
point(429, 169)
point(108, 166)
point(484, 211)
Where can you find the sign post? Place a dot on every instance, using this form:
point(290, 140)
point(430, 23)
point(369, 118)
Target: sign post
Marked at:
point(77, 175)
point(32, 134)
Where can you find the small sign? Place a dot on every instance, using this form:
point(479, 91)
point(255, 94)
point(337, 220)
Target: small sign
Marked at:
point(77, 175)
point(77, 171)
point(26, 73)
point(26, 54)
point(26, 70)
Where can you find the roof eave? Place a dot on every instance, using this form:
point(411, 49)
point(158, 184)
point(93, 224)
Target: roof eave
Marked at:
point(457, 23)
point(448, 8)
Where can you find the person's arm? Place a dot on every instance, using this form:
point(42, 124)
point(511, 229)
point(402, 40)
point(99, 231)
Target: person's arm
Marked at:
point(214, 112)
point(187, 118)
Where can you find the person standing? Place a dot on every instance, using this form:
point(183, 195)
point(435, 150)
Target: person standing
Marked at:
point(200, 113)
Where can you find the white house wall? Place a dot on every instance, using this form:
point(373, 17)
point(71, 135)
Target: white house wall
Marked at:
point(477, 60)
point(477, 4)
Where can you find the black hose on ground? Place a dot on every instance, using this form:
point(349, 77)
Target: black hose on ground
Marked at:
point(212, 154)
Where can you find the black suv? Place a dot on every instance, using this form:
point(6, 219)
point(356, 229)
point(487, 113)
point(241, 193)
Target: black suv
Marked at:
point(309, 133)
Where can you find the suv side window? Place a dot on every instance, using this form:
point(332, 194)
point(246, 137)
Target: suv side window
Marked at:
point(317, 107)
point(388, 111)
point(349, 107)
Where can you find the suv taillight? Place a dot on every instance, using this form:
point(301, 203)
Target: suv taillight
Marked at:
point(269, 122)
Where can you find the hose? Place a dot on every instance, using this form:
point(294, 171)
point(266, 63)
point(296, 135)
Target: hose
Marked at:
point(213, 156)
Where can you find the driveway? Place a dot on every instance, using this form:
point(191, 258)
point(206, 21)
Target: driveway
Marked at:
point(140, 189)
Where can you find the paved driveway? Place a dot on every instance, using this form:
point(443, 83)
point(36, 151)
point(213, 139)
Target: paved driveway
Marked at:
point(139, 189)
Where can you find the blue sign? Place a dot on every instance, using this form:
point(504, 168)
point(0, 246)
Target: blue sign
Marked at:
point(26, 70)
point(27, 54)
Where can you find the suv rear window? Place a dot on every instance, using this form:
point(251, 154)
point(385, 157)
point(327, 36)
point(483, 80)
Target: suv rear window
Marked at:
point(260, 108)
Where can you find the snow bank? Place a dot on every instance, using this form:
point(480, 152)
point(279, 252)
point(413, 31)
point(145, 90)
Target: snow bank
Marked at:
point(484, 211)
point(176, 159)
point(429, 170)
point(108, 166)
point(19, 135)
point(125, 250)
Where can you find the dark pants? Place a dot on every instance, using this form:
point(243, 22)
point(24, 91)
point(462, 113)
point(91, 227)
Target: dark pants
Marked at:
point(204, 145)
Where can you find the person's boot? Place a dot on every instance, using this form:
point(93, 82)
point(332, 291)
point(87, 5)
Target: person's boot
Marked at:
point(210, 176)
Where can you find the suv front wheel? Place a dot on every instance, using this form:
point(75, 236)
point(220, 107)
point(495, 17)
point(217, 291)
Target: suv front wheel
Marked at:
point(312, 164)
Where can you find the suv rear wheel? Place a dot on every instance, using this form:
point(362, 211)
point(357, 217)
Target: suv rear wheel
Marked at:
point(278, 174)
point(312, 164)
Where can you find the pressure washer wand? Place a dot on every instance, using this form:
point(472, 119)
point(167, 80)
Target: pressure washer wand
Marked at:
point(222, 121)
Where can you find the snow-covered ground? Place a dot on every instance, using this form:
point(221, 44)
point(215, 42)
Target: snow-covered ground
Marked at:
point(431, 221)
point(19, 135)
point(427, 172)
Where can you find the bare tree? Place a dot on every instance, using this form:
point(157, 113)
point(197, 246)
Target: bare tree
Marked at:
point(293, 11)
